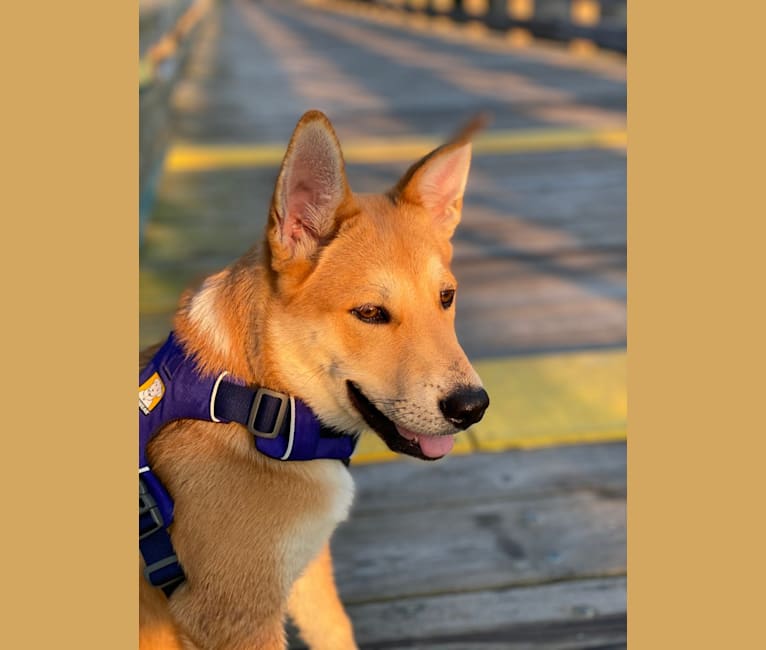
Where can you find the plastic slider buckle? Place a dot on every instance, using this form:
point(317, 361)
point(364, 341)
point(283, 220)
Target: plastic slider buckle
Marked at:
point(149, 515)
point(278, 421)
point(151, 569)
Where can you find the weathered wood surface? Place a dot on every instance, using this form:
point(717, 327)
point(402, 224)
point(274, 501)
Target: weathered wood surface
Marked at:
point(479, 541)
point(511, 550)
point(482, 478)
point(585, 613)
point(480, 546)
point(581, 614)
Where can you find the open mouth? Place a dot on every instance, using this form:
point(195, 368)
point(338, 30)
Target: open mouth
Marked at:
point(398, 439)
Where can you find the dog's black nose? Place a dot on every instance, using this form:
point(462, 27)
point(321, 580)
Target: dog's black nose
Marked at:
point(465, 406)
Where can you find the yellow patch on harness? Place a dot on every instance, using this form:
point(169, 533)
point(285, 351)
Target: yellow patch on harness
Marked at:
point(150, 393)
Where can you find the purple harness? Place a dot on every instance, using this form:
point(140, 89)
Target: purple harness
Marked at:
point(171, 388)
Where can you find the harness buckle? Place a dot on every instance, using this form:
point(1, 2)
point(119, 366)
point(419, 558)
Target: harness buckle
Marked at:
point(149, 515)
point(278, 420)
point(174, 577)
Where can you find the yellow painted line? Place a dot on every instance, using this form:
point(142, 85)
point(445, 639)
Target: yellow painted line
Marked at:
point(553, 399)
point(553, 440)
point(540, 401)
point(184, 158)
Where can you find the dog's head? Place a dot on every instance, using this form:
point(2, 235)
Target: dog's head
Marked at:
point(363, 321)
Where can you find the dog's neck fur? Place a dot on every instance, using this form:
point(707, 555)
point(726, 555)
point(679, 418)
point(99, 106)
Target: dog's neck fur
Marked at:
point(207, 328)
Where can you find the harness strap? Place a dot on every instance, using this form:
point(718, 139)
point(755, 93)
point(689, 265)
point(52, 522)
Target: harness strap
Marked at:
point(162, 568)
point(171, 388)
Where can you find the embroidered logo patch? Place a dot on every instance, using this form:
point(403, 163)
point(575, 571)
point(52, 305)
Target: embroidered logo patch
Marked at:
point(150, 393)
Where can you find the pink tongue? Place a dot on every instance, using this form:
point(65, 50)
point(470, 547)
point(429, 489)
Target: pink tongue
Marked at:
point(432, 446)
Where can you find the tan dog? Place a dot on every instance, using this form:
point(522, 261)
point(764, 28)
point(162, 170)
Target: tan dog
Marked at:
point(349, 306)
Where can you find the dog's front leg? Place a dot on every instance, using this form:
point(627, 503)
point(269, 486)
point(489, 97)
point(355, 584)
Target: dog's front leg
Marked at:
point(157, 630)
point(315, 607)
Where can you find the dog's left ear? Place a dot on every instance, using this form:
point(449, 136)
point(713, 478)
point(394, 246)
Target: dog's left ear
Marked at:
point(310, 189)
point(437, 181)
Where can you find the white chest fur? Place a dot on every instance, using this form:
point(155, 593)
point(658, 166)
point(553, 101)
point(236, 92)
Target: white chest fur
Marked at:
point(311, 531)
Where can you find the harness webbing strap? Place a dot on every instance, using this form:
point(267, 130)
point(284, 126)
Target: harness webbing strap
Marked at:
point(162, 568)
point(171, 388)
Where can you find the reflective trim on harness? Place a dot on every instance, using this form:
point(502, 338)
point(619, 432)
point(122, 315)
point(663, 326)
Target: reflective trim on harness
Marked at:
point(214, 394)
point(291, 435)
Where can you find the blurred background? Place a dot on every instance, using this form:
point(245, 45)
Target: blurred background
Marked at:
point(517, 540)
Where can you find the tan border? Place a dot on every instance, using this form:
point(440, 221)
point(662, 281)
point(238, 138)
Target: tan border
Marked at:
point(70, 197)
point(695, 564)
point(695, 371)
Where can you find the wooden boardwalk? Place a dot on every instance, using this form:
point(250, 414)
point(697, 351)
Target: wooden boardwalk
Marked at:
point(514, 549)
point(511, 550)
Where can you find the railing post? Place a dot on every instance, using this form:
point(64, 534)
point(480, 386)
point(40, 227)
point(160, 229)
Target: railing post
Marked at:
point(520, 11)
point(497, 14)
point(585, 24)
point(440, 7)
point(457, 13)
point(584, 13)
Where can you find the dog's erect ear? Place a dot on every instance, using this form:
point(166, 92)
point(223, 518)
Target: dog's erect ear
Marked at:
point(437, 181)
point(310, 188)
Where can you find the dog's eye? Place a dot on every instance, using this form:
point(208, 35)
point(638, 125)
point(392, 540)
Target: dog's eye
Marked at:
point(446, 297)
point(371, 314)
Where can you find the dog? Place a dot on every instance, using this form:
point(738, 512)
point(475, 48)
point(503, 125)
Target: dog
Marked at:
point(349, 305)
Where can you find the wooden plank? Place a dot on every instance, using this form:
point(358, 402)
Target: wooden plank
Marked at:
point(485, 477)
point(547, 201)
point(579, 614)
point(514, 617)
point(558, 325)
point(491, 545)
